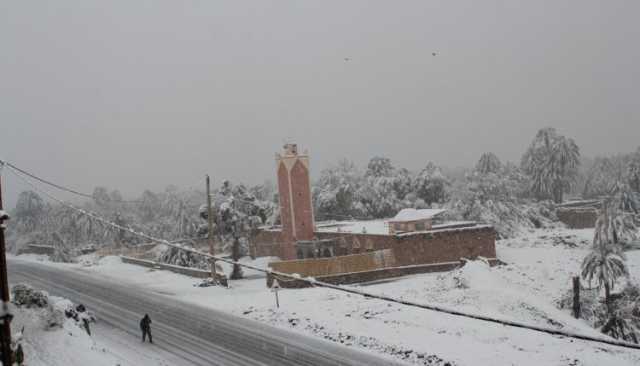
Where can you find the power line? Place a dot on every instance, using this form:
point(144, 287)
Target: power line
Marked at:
point(314, 282)
point(60, 187)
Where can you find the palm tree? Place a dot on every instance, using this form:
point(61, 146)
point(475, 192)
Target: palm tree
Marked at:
point(564, 163)
point(606, 263)
point(551, 161)
point(488, 163)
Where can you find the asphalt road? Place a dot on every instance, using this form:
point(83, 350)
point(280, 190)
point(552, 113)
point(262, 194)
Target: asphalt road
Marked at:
point(193, 334)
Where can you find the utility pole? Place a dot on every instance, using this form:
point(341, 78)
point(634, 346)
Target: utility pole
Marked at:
point(4, 283)
point(210, 236)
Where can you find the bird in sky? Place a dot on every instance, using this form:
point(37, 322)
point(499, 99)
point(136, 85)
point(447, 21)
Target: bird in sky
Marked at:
point(433, 53)
point(347, 59)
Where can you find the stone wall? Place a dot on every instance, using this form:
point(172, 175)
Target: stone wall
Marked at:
point(578, 218)
point(333, 265)
point(375, 275)
point(191, 272)
point(37, 249)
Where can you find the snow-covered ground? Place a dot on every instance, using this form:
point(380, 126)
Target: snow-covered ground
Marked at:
point(539, 268)
point(68, 344)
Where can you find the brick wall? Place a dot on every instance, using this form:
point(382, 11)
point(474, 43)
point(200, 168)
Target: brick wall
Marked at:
point(303, 210)
point(578, 218)
point(424, 247)
point(411, 248)
point(368, 257)
point(267, 243)
point(334, 265)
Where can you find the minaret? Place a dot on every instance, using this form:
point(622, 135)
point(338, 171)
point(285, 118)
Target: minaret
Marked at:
point(296, 209)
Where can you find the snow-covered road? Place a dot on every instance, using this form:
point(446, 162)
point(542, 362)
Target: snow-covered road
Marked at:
point(184, 333)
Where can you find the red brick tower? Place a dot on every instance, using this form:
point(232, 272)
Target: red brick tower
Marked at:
point(296, 210)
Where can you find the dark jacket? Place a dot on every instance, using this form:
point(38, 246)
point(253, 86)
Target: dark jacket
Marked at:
point(145, 323)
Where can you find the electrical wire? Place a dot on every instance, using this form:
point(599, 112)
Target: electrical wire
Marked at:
point(60, 187)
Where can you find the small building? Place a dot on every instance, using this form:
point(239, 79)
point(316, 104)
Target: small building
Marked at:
point(579, 214)
point(410, 219)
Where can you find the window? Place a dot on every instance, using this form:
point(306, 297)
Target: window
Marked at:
point(420, 226)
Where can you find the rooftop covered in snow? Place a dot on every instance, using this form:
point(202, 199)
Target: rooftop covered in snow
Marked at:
point(379, 227)
point(412, 214)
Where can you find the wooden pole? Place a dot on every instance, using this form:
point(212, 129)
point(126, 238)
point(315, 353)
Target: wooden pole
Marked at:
point(576, 297)
point(210, 225)
point(4, 284)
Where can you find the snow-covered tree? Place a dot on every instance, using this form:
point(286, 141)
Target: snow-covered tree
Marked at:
point(184, 258)
point(334, 193)
point(28, 212)
point(603, 175)
point(101, 196)
point(377, 197)
point(149, 206)
point(633, 171)
point(625, 199)
point(606, 262)
point(497, 199)
point(604, 265)
point(402, 181)
point(431, 185)
point(264, 192)
point(379, 167)
point(614, 226)
point(551, 161)
point(115, 196)
point(488, 163)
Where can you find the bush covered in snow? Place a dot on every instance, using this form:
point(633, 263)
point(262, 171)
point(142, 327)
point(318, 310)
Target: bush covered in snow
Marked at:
point(183, 258)
point(27, 296)
point(50, 310)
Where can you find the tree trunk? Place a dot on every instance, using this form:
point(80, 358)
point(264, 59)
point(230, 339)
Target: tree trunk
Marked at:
point(235, 254)
point(557, 192)
point(607, 297)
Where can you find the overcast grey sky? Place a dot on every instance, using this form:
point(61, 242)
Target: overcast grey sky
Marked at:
point(135, 94)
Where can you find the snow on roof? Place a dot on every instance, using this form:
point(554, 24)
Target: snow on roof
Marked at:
point(411, 214)
point(379, 227)
point(446, 229)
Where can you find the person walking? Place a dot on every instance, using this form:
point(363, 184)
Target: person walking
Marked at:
point(145, 327)
point(19, 355)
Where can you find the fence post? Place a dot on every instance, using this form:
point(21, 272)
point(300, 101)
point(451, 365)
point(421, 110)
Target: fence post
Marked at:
point(576, 297)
